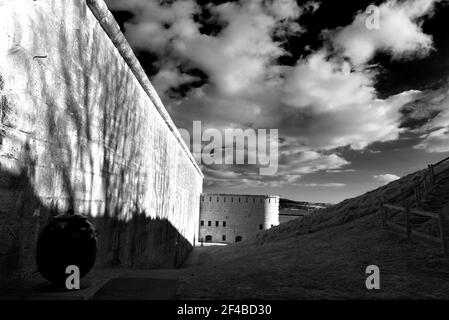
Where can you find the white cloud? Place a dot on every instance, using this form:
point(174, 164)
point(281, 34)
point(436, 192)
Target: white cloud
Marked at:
point(285, 9)
point(242, 55)
point(341, 170)
point(326, 185)
point(340, 104)
point(292, 166)
point(435, 133)
point(323, 102)
point(312, 6)
point(400, 32)
point(239, 56)
point(155, 26)
point(436, 141)
point(386, 178)
point(326, 85)
point(168, 78)
point(308, 161)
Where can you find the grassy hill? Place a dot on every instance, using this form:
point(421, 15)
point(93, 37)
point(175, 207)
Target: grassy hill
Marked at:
point(323, 256)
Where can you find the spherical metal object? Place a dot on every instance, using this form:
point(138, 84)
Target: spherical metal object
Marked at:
point(68, 239)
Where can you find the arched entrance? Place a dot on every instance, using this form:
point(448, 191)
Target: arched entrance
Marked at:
point(208, 238)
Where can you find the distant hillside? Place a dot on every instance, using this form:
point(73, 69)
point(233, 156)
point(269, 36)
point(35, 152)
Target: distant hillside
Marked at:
point(301, 205)
point(291, 209)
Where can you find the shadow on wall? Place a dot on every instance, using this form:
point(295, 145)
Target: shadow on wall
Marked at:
point(141, 242)
point(22, 216)
point(91, 131)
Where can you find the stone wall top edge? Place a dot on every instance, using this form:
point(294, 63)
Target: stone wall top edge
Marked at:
point(111, 28)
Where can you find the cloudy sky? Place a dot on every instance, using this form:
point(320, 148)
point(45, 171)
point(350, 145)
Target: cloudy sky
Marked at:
point(355, 107)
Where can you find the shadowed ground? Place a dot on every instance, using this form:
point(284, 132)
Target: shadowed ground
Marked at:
point(138, 289)
point(328, 264)
point(102, 284)
point(323, 256)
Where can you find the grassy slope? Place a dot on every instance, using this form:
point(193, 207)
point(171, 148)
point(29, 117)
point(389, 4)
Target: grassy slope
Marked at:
point(322, 256)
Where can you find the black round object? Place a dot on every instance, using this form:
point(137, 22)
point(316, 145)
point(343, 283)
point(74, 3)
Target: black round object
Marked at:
point(68, 239)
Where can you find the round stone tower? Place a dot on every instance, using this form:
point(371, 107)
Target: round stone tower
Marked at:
point(229, 218)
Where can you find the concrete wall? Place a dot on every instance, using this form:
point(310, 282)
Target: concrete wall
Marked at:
point(244, 216)
point(82, 127)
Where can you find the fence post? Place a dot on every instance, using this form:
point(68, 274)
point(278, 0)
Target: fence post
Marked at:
point(426, 187)
point(431, 173)
point(403, 197)
point(418, 195)
point(407, 222)
point(421, 194)
point(441, 219)
point(383, 214)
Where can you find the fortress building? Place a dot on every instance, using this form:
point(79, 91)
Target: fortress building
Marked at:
point(229, 218)
point(82, 127)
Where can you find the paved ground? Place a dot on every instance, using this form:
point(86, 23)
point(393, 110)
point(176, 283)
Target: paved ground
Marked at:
point(138, 289)
point(109, 284)
point(141, 285)
point(101, 284)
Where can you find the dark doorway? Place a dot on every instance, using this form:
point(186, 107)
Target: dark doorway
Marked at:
point(208, 238)
point(238, 239)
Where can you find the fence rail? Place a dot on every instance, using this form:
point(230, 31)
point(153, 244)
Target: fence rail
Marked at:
point(407, 229)
point(441, 162)
point(417, 234)
point(423, 185)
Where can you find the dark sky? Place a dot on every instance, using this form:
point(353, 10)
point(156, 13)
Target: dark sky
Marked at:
point(355, 108)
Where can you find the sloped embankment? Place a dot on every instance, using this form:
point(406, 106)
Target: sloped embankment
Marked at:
point(323, 256)
point(342, 212)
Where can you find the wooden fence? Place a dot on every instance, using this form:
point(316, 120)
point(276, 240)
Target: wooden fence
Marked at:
point(407, 227)
point(421, 188)
point(423, 185)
